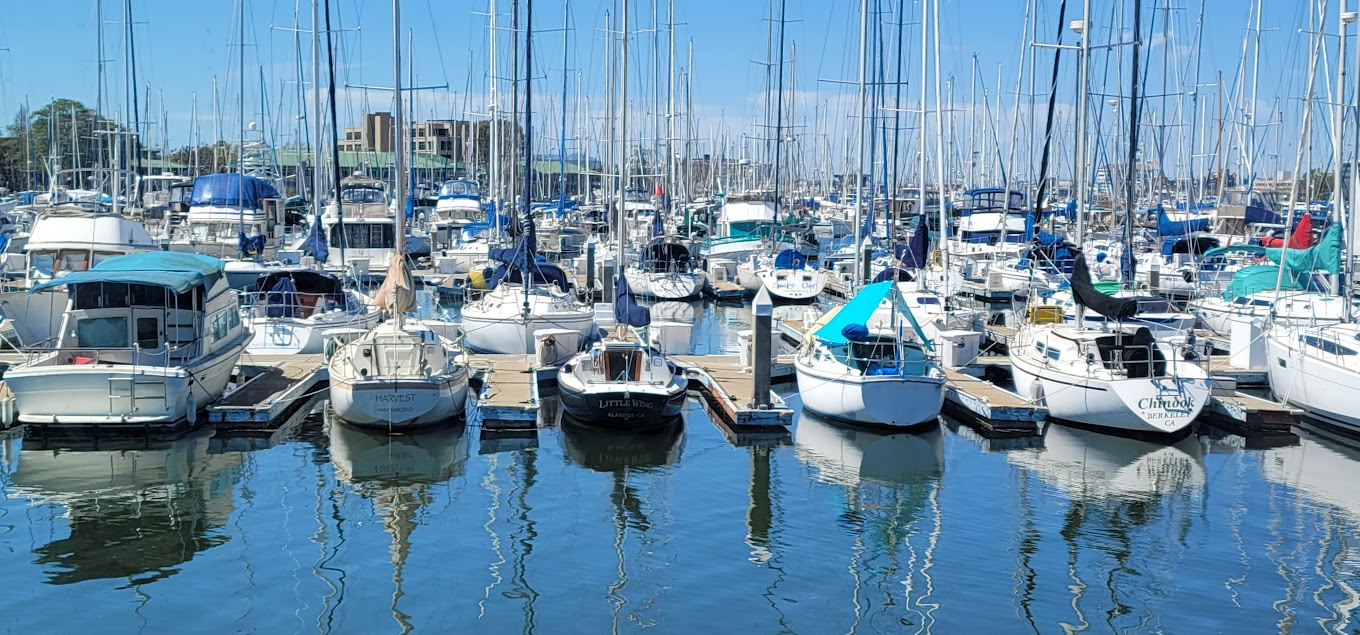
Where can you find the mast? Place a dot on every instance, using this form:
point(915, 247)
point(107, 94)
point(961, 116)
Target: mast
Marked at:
point(494, 153)
point(398, 130)
point(778, 115)
point(939, 143)
point(316, 107)
point(1131, 185)
point(1080, 167)
point(1338, 124)
point(861, 268)
point(528, 144)
point(1298, 155)
point(335, 137)
point(562, 143)
point(622, 134)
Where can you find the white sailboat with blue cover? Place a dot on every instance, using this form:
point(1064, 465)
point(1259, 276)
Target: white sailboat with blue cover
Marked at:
point(863, 365)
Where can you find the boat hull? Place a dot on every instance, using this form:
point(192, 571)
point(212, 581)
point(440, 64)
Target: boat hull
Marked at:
point(666, 286)
point(620, 408)
point(301, 337)
point(515, 335)
point(399, 403)
point(888, 400)
point(100, 394)
point(1159, 405)
point(1326, 390)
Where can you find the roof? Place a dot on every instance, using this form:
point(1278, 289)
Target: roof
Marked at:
point(349, 160)
point(176, 271)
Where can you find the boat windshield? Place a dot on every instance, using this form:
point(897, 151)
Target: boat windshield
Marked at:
point(362, 195)
point(50, 262)
point(458, 188)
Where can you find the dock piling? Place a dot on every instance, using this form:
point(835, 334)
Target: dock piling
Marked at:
point(763, 309)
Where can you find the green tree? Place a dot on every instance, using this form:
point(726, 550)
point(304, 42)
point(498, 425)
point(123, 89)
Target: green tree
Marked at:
point(65, 129)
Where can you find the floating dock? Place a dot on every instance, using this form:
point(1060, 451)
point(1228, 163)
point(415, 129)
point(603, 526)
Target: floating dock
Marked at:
point(271, 386)
point(507, 390)
point(989, 408)
point(729, 390)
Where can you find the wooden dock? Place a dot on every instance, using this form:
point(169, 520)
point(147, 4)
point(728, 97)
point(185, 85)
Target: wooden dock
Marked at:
point(729, 390)
point(1241, 377)
point(992, 409)
point(507, 389)
point(273, 386)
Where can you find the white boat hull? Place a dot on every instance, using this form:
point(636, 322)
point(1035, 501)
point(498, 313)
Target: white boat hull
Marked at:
point(792, 284)
point(399, 403)
point(1160, 405)
point(515, 335)
point(885, 400)
point(120, 393)
point(1323, 388)
point(666, 286)
point(284, 336)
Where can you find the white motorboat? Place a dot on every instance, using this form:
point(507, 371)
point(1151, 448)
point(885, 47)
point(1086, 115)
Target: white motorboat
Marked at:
point(864, 366)
point(290, 312)
point(66, 239)
point(148, 338)
point(459, 204)
point(224, 209)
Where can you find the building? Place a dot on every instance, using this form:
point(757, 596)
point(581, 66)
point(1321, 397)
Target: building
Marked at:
point(444, 137)
point(447, 138)
point(374, 135)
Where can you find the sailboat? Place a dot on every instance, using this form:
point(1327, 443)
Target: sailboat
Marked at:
point(859, 365)
point(622, 381)
point(401, 374)
point(666, 270)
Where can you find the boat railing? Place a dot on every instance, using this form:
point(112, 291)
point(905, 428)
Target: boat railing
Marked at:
point(85, 356)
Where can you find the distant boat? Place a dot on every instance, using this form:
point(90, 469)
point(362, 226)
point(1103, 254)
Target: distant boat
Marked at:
point(149, 338)
point(291, 311)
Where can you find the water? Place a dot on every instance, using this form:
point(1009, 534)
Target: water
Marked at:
point(325, 528)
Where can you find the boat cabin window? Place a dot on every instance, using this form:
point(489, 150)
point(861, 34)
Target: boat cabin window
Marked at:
point(113, 295)
point(927, 299)
point(623, 365)
point(48, 263)
point(458, 188)
point(362, 195)
point(148, 333)
point(102, 332)
point(1327, 346)
point(365, 235)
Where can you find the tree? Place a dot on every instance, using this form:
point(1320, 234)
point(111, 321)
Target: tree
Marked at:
point(66, 129)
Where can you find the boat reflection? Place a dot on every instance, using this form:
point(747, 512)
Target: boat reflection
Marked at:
point(1087, 464)
point(396, 471)
point(1127, 501)
point(674, 311)
point(615, 451)
point(1323, 466)
point(136, 510)
point(847, 455)
point(891, 482)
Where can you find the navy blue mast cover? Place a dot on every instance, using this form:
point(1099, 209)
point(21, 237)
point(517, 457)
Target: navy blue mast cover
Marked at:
point(315, 245)
point(626, 309)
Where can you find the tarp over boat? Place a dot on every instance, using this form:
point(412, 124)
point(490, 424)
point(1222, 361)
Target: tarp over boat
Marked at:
point(173, 270)
point(233, 190)
point(860, 309)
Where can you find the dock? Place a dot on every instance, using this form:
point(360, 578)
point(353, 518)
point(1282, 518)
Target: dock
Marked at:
point(507, 390)
point(1219, 367)
point(989, 408)
point(271, 387)
point(729, 390)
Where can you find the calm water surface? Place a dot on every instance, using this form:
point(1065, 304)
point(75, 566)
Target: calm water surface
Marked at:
point(685, 530)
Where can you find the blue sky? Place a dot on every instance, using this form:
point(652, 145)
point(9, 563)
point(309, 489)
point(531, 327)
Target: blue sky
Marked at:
point(182, 45)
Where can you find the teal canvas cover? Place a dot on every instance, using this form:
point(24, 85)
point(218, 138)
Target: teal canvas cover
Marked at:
point(176, 271)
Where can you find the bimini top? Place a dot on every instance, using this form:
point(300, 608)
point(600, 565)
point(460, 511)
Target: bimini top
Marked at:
point(231, 190)
point(854, 316)
point(176, 271)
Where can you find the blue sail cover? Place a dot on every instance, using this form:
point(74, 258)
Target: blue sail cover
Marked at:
point(895, 274)
point(626, 309)
point(790, 259)
point(315, 245)
point(658, 224)
point(282, 300)
point(231, 190)
point(250, 245)
point(914, 257)
point(1168, 227)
